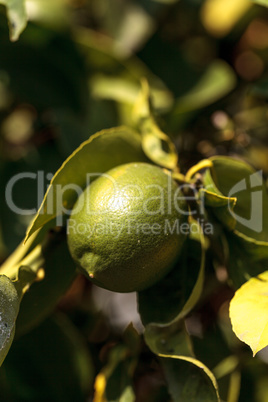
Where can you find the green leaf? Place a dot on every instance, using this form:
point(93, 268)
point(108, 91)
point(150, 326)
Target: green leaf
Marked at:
point(114, 88)
point(234, 178)
point(125, 91)
point(222, 206)
point(248, 246)
point(156, 144)
point(176, 295)
point(261, 2)
point(189, 380)
point(159, 148)
point(129, 25)
point(128, 395)
point(26, 276)
point(226, 367)
point(113, 76)
point(27, 257)
point(218, 80)
point(132, 339)
point(55, 14)
point(211, 347)
point(172, 340)
point(9, 308)
point(17, 17)
point(249, 312)
point(54, 347)
point(213, 198)
point(100, 153)
point(247, 257)
point(119, 383)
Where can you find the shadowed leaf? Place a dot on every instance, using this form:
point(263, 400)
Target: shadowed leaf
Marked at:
point(176, 294)
point(54, 347)
point(234, 178)
point(189, 380)
point(114, 382)
point(247, 257)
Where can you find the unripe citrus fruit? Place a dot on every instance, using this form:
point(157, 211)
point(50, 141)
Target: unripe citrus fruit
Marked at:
point(124, 230)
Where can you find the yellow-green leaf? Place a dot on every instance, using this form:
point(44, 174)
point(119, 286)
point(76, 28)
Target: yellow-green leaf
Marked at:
point(261, 2)
point(249, 312)
point(156, 145)
point(17, 17)
point(154, 142)
point(217, 81)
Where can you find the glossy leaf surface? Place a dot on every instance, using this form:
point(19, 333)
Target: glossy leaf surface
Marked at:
point(249, 312)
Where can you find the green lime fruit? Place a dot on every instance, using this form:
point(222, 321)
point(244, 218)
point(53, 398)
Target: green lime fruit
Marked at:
point(124, 230)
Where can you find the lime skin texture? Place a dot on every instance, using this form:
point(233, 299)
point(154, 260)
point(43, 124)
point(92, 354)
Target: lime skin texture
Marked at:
point(123, 232)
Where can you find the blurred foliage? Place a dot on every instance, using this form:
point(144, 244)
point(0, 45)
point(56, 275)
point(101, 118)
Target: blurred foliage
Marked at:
point(74, 69)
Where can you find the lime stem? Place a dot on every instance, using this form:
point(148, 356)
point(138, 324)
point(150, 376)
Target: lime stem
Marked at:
point(205, 163)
